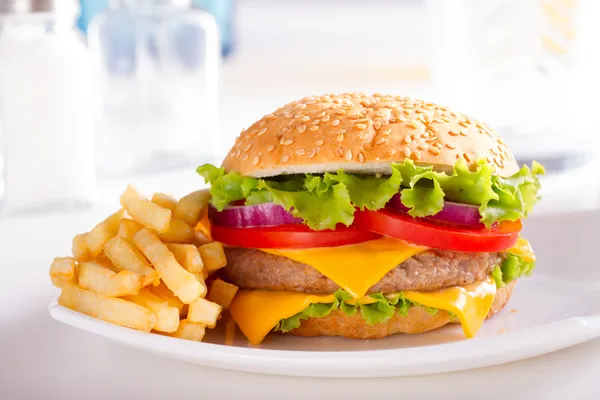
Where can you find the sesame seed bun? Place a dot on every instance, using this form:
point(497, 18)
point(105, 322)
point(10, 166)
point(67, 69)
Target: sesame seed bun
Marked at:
point(417, 321)
point(363, 133)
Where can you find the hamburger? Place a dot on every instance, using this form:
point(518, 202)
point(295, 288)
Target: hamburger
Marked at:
point(364, 216)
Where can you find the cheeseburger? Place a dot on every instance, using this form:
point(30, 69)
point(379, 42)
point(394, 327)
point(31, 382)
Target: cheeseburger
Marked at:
point(364, 216)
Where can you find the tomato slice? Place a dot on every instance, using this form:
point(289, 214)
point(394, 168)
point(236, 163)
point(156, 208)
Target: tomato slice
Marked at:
point(497, 238)
point(289, 236)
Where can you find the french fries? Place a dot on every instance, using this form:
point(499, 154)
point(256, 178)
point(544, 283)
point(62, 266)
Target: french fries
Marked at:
point(221, 292)
point(192, 207)
point(102, 233)
point(165, 201)
point(145, 212)
point(188, 256)
point(213, 256)
point(144, 269)
point(167, 317)
point(63, 271)
point(181, 282)
point(177, 232)
point(189, 330)
point(128, 228)
point(97, 278)
point(79, 249)
point(205, 312)
point(117, 311)
point(126, 257)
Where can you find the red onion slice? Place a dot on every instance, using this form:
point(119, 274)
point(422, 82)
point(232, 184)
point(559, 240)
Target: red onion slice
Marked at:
point(454, 213)
point(254, 216)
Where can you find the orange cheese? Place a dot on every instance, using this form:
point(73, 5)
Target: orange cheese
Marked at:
point(355, 267)
point(257, 312)
point(523, 248)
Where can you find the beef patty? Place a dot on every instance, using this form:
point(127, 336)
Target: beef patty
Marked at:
point(430, 270)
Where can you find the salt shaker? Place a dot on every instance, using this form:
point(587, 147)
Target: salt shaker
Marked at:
point(158, 63)
point(46, 111)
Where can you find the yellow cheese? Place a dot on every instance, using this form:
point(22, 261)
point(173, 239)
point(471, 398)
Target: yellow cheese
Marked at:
point(470, 303)
point(355, 267)
point(523, 248)
point(257, 312)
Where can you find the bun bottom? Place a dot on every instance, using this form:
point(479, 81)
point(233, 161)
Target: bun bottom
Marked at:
point(417, 321)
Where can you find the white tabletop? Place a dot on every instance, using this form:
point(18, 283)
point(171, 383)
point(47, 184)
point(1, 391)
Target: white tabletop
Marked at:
point(40, 357)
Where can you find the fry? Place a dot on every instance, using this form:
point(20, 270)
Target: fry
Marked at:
point(203, 228)
point(192, 207)
point(164, 293)
point(99, 279)
point(205, 312)
point(188, 256)
point(126, 257)
point(128, 228)
point(102, 233)
point(63, 271)
point(213, 256)
point(221, 292)
point(167, 317)
point(117, 311)
point(178, 232)
point(189, 330)
point(145, 212)
point(164, 200)
point(200, 278)
point(181, 282)
point(79, 249)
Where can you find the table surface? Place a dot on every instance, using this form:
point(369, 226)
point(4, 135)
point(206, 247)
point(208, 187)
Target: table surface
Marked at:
point(42, 357)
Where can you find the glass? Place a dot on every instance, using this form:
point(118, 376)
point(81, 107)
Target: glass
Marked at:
point(46, 129)
point(159, 66)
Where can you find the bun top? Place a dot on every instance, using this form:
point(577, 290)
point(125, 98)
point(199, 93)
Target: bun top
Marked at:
point(363, 134)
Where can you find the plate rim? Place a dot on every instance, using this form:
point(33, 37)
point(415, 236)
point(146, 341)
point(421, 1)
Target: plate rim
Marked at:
point(434, 358)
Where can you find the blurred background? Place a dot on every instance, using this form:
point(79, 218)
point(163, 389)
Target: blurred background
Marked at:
point(98, 93)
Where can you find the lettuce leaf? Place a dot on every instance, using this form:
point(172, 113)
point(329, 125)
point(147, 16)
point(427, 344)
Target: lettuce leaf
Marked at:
point(323, 201)
point(511, 268)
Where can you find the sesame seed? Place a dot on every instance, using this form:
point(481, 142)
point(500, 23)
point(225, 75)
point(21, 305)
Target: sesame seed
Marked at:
point(463, 133)
point(463, 124)
point(319, 142)
point(434, 150)
point(287, 142)
point(312, 154)
point(335, 122)
point(316, 122)
point(262, 131)
point(467, 157)
point(325, 118)
point(298, 116)
point(423, 146)
point(255, 160)
point(349, 155)
point(244, 157)
point(291, 122)
point(413, 125)
point(407, 152)
point(301, 128)
point(361, 126)
point(306, 118)
point(339, 138)
point(450, 145)
point(494, 152)
point(314, 128)
point(393, 120)
point(285, 159)
point(322, 114)
point(392, 152)
point(361, 157)
point(339, 152)
point(407, 139)
point(271, 148)
point(452, 133)
point(380, 140)
point(417, 155)
point(364, 135)
point(300, 152)
point(248, 147)
point(388, 131)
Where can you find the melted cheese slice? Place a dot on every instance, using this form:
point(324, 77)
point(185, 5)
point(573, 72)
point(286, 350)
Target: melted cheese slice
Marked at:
point(523, 248)
point(355, 267)
point(257, 312)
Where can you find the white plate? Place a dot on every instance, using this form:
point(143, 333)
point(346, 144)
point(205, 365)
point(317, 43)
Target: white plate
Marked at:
point(557, 308)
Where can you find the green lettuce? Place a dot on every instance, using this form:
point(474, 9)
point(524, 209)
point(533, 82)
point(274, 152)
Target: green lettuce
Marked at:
point(511, 268)
point(323, 201)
